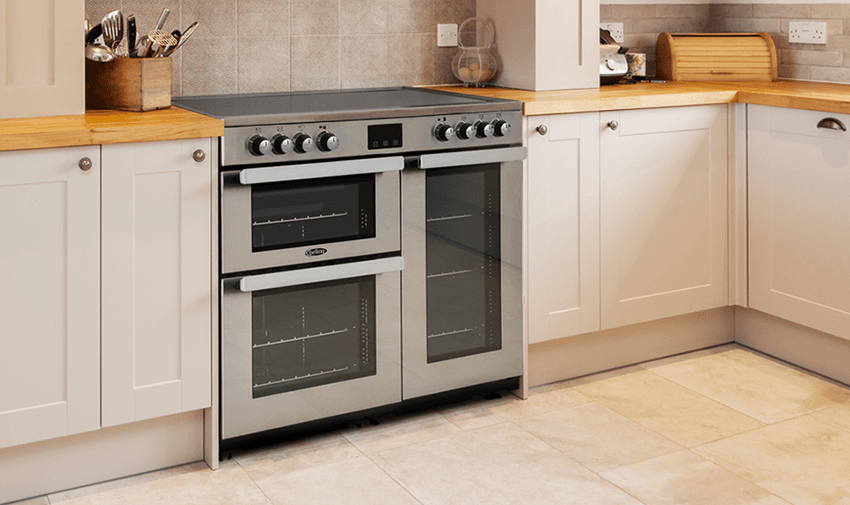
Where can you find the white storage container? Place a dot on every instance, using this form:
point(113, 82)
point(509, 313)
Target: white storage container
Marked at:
point(42, 53)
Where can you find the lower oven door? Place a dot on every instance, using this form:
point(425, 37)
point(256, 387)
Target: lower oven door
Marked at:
point(462, 238)
point(305, 213)
point(308, 344)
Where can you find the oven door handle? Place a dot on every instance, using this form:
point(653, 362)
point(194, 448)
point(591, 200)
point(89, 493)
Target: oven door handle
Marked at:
point(317, 170)
point(462, 158)
point(320, 274)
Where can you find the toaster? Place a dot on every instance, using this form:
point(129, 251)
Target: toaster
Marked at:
point(612, 59)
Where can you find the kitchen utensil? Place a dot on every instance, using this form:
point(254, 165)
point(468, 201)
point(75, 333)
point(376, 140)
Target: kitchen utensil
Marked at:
point(88, 26)
point(162, 39)
point(94, 33)
point(131, 32)
point(113, 29)
point(99, 52)
point(145, 52)
point(183, 38)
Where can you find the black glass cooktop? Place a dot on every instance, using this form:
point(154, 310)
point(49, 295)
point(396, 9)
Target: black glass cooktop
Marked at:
point(243, 109)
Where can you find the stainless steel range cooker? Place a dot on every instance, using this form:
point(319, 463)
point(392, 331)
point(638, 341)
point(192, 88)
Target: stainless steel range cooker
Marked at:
point(370, 250)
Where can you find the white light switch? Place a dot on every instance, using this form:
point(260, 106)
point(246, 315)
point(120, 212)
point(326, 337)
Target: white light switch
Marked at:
point(807, 32)
point(447, 35)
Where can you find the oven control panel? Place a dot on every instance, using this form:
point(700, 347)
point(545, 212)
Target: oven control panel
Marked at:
point(304, 142)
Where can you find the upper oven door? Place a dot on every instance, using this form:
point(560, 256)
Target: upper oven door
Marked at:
point(298, 214)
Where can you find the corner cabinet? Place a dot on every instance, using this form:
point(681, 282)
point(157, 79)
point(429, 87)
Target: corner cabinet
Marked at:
point(799, 216)
point(663, 216)
point(156, 279)
point(50, 299)
point(105, 315)
point(563, 225)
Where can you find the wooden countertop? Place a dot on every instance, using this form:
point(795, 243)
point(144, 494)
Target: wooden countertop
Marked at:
point(819, 96)
point(106, 127)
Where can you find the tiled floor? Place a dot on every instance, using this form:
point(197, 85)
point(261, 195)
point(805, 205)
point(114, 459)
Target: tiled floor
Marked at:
point(723, 426)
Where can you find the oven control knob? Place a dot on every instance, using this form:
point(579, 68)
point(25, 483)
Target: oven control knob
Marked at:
point(303, 143)
point(483, 129)
point(259, 145)
point(465, 131)
point(327, 141)
point(281, 144)
point(444, 132)
point(501, 127)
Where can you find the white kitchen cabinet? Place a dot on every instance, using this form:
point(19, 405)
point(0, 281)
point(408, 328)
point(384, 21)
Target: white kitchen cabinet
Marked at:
point(156, 280)
point(563, 225)
point(799, 217)
point(50, 296)
point(663, 213)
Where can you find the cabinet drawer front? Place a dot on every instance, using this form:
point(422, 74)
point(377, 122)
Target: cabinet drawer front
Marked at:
point(800, 122)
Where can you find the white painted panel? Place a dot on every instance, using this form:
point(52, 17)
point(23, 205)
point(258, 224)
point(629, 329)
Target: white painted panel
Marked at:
point(157, 400)
point(664, 213)
point(33, 424)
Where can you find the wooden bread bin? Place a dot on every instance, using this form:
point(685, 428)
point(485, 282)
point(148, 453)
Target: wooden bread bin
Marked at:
point(715, 57)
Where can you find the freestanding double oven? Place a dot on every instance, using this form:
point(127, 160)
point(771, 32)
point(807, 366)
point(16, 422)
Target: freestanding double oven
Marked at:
point(370, 250)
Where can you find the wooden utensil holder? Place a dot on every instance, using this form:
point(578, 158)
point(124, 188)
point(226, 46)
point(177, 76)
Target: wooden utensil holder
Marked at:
point(134, 84)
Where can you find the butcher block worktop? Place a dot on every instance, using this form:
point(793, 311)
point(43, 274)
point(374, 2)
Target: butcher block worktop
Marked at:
point(792, 94)
point(97, 127)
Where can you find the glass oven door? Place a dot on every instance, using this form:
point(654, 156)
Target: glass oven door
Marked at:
point(462, 237)
point(295, 214)
point(307, 344)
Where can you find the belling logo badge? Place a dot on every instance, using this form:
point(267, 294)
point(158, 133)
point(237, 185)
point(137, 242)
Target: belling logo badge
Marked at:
point(316, 252)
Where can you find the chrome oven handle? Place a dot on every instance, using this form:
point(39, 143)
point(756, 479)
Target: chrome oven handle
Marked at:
point(462, 158)
point(320, 274)
point(282, 173)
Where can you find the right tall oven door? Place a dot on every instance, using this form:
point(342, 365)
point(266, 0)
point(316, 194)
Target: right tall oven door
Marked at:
point(462, 282)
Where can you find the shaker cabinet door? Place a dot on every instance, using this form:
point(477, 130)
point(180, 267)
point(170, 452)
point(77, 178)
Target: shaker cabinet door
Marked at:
point(156, 280)
point(50, 296)
point(799, 216)
point(663, 212)
point(563, 226)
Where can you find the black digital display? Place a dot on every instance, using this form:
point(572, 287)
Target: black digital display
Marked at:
point(385, 136)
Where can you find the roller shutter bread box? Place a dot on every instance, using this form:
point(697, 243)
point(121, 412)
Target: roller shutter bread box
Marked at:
point(716, 57)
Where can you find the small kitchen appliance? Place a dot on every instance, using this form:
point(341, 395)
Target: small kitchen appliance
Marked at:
point(612, 59)
point(370, 250)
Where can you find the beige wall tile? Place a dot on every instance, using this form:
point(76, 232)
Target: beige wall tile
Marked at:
point(606, 13)
point(731, 10)
point(682, 10)
point(829, 74)
point(314, 62)
point(781, 11)
point(846, 59)
point(363, 16)
point(752, 25)
point(363, 61)
point(96, 9)
point(411, 16)
point(792, 72)
point(656, 25)
point(684, 477)
point(453, 11)
point(411, 59)
point(803, 460)
point(263, 18)
point(312, 17)
point(263, 64)
point(147, 14)
point(836, 10)
point(443, 57)
point(822, 58)
point(216, 18)
point(209, 66)
point(622, 12)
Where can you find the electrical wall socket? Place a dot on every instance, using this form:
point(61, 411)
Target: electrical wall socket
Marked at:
point(447, 35)
point(616, 30)
point(807, 32)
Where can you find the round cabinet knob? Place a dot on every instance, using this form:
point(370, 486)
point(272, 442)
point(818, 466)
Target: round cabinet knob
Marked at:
point(501, 127)
point(85, 164)
point(444, 132)
point(281, 144)
point(609, 64)
point(613, 125)
point(542, 129)
point(303, 143)
point(259, 145)
point(199, 155)
point(483, 129)
point(327, 141)
point(465, 131)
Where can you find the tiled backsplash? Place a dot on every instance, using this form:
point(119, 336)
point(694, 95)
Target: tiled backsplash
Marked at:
point(830, 62)
point(247, 46)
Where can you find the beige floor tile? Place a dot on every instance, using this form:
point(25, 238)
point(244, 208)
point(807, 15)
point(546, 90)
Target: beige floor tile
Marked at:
point(803, 460)
point(751, 384)
point(41, 500)
point(669, 409)
point(496, 465)
point(296, 455)
point(189, 485)
point(838, 416)
point(476, 413)
point(597, 437)
point(684, 478)
point(399, 431)
point(356, 481)
point(540, 400)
